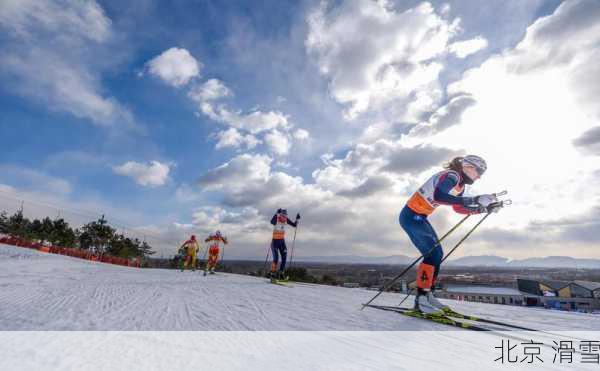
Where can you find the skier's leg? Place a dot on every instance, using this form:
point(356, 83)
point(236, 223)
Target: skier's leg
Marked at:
point(216, 258)
point(275, 255)
point(207, 266)
point(283, 252)
point(185, 262)
point(423, 236)
point(212, 263)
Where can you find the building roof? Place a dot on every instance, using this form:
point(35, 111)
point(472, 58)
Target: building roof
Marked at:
point(555, 285)
point(483, 290)
point(588, 285)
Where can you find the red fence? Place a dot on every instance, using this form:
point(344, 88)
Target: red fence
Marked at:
point(69, 251)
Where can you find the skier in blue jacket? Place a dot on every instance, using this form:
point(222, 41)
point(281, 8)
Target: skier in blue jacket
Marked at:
point(279, 221)
point(443, 188)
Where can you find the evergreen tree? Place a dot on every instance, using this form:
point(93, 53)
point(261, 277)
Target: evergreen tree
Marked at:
point(96, 235)
point(146, 249)
point(62, 234)
point(18, 225)
point(3, 222)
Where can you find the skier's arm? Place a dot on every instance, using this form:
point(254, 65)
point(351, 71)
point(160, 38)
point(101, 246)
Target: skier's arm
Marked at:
point(461, 205)
point(274, 219)
point(293, 224)
point(224, 240)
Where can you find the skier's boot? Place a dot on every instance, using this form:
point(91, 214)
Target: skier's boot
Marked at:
point(205, 273)
point(436, 303)
point(273, 277)
point(212, 271)
point(425, 277)
point(422, 303)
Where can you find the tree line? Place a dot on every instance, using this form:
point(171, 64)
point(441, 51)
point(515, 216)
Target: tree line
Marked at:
point(97, 236)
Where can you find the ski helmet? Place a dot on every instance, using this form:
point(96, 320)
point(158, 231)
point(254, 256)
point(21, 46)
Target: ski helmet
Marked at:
point(193, 238)
point(477, 162)
point(284, 211)
point(218, 233)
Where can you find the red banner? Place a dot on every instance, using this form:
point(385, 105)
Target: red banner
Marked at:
point(69, 251)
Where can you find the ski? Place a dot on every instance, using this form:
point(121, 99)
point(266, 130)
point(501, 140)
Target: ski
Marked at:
point(437, 318)
point(454, 314)
point(280, 282)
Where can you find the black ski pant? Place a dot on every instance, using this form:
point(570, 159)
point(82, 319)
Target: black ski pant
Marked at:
point(278, 248)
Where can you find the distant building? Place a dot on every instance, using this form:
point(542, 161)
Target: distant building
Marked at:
point(351, 284)
point(565, 295)
point(483, 294)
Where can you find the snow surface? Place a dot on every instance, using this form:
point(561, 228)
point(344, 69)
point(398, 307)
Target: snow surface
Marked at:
point(243, 319)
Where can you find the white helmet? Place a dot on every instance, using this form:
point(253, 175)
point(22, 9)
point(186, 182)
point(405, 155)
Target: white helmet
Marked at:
point(477, 162)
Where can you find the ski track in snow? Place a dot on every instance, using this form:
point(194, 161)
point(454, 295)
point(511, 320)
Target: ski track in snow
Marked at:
point(49, 292)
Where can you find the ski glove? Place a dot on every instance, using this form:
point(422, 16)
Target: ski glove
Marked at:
point(494, 207)
point(298, 216)
point(485, 200)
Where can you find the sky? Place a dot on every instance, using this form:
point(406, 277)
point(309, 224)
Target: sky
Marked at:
point(188, 117)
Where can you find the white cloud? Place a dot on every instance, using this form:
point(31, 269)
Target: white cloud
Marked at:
point(445, 116)
point(365, 161)
point(175, 66)
point(465, 48)
point(30, 179)
point(278, 142)
point(71, 19)
point(301, 134)
point(254, 122)
point(212, 89)
point(241, 169)
point(152, 174)
point(233, 138)
point(49, 56)
point(186, 193)
point(394, 57)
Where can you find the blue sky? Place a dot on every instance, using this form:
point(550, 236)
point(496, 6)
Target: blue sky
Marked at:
point(185, 117)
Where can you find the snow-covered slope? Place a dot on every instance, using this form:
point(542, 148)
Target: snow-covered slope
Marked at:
point(50, 292)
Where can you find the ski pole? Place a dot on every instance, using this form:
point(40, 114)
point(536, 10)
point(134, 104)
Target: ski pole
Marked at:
point(223, 258)
point(500, 203)
point(495, 204)
point(294, 240)
point(203, 256)
point(267, 258)
point(389, 284)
